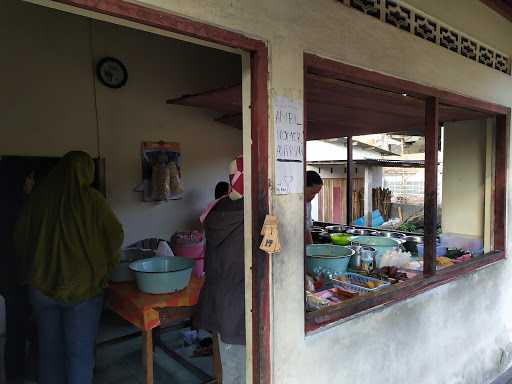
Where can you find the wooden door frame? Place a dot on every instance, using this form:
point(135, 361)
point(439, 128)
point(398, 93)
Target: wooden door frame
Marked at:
point(259, 150)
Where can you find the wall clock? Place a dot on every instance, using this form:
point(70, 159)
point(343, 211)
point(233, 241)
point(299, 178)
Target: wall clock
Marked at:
point(112, 72)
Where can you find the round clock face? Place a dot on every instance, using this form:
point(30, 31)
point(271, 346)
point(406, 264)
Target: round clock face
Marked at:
point(112, 72)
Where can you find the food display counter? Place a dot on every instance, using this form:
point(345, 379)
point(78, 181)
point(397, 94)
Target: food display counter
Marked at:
point(346, 262)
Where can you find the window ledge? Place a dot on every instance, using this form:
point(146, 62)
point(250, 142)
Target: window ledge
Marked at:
point(333, 315)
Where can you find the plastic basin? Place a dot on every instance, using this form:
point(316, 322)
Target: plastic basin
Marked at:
point(333, 258)
point(162, 274)
point(341, 238)
point(440, 250)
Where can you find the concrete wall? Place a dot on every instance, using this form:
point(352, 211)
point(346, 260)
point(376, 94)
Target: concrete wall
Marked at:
point(48, 97)
point(464, 177)
point(457, 333)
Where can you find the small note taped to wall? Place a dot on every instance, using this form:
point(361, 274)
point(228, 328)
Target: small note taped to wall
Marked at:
point(289, 146)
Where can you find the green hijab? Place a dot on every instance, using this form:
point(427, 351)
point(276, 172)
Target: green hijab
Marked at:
point(67, 238)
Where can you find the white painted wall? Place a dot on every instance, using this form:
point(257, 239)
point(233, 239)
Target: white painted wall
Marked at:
point(464, 177)
point(325, 150)
point(47, 107)
point(457, 333)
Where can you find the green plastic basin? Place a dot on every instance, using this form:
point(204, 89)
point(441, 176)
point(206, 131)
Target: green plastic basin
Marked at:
point(341, 238)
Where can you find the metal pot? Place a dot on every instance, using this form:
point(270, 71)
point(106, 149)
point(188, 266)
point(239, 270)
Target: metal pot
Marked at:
point(321, 237)
point(335, 228)
point(392, 235)
point(362, 232)
point(315, 234)
point(355, 261)
point(411, 243)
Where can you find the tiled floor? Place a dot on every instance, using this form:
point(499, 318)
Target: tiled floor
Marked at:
point(120, 362)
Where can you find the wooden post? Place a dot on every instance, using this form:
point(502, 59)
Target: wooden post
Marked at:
point(350, 186)
point(500, 181)
point(147, 355)
point(430, 207)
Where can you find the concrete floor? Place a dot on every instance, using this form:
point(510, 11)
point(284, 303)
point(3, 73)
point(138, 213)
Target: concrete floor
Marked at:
point(120, 362)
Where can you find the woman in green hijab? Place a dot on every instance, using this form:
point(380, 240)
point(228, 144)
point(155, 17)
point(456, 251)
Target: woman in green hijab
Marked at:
point(68, 240)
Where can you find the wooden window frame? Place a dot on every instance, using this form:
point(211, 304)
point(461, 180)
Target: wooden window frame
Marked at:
point(430, 278)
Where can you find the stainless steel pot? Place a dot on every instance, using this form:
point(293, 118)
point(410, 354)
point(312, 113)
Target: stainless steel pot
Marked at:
point(362, 232)
point(392, 235)
point(359, 250)
point(335, 228)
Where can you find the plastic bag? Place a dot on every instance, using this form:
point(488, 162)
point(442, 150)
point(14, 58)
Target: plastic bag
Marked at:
point(164, 249)
point(395, 258)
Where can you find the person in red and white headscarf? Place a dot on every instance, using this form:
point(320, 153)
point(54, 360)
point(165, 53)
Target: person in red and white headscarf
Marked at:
point(221, 307)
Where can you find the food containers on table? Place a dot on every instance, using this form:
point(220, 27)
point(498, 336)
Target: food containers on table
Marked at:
point(162, 274)
point(190, 244)
point(380, 244)
point(326, 257)
point(353, 282)
point(121, 272)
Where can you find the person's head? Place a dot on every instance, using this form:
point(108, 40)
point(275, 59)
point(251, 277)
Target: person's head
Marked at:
point(29, 182)
point(77, 166)
point(236, 178)
point(314, 184)
point(221, 189)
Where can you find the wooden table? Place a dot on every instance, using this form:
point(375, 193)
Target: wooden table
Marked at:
point(150, 312)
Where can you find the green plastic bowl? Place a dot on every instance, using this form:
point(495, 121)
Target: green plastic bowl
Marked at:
point(334, 258)
point(162, 274)
point(341, 238)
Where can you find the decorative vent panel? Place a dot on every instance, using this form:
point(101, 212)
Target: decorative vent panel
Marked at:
point(398, 16)
point(370, 7)
point(407, 18)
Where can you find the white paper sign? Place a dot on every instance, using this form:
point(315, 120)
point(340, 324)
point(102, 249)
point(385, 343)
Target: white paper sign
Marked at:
point(289, 146)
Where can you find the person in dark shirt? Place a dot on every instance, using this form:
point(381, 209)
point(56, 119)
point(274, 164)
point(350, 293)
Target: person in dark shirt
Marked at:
point(221, 306)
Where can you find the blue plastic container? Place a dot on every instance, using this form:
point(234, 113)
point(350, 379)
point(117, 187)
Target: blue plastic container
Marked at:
point(162, 274)
point(440, 250)
point(332, 258)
